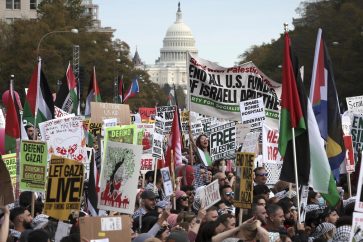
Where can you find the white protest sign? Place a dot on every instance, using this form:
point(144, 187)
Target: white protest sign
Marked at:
point(2, 119)
point(355, 103)
point(147, 163)
point(253, 113)
point(303, 202)
point(63, 230)
point(168, 185)
point(147, 140)
point(87, 162)
point(157, 149)
point(135, 118)
point(166, 115)
point(250, 144)
point(59, 113)
point(356, 233)
point(210, 195)
point(223, 141)
point(241, 131)
point(109, 122)
point(272, 159)
point(359, 198)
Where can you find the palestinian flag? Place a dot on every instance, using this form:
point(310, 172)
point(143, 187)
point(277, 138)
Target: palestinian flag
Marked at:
point(39, 100)
point(12, 128)
point(67, 97)
point(293, 115)
point(93, 93)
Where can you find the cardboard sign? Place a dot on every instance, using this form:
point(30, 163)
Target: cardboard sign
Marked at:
point(243, 187)
point(147, 114)
point(64, 187)
point(147, 163)
point(217, 91)
point(223, 141)
point(11, 164)
point(112, 228)
point(165, 115)
point(65, 137)
point(7, 191)
point(119, 177)
point(253, 113)
point(168, 185)
point(349, 158)
point(355, 103)
point(356, 233)
point(33, 165)
point(101, 111)
point(210, 195)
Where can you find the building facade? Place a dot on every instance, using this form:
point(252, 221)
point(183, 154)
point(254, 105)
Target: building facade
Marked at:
point(170, 67)
point(11, 10)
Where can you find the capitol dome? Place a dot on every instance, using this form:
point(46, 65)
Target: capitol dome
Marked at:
point(178, 40)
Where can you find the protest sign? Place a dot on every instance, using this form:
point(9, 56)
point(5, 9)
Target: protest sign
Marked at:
point(355, 103)
point(63, 230)
point(64, 187)
point(253, 113)
point(157, 145)
point(147, 114)
point(135, 118)
point(210, 195)
point(359, 197)
point(223, 141)
point(119, 177)
point(217, 91)
point(90, 156)
point(147, 138)
point(272, 159)
point(356, 233)
point(59, 113)
point(167, 183)
point(94, 128)
point(147, 163)
point(250, 143)
point(346, 122)
point(304, 202)
point(357, 133)
point(33, 165)
point(243, 187)
point(123, 134)
point(111, 228)
point(349, 158)
point(65, 137)
point(101, 111)
point(11, 164)
point(110, 122)
point(7, 191)
point(165, 115)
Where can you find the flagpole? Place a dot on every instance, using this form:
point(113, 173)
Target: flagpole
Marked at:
point(36, 103)
point(296, 176)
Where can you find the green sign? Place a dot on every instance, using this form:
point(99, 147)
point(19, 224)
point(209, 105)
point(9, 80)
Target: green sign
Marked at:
point(33, 166)
point(10, 162)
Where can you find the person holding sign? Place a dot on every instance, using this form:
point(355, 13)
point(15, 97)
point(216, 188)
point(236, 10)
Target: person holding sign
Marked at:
point(202, 144)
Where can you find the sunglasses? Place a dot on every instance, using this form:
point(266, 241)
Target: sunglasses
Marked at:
point(263, 174)
point(184, 198)
point(230, 194)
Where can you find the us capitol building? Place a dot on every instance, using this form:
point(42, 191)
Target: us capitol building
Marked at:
point(170, 67)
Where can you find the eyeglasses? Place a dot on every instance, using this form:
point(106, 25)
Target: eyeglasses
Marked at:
point(184, 198)
point(263, 174)
point(230, 194)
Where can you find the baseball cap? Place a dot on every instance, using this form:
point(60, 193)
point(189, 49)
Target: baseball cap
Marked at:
point(147, 194)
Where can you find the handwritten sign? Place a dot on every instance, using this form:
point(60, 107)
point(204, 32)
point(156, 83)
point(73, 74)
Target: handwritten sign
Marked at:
point(243, 186)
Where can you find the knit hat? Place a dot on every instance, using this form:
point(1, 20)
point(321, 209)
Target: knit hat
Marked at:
point(172, 219)
point(178, 236)
point(179, 193)
point(342, 234)
point(322, 229)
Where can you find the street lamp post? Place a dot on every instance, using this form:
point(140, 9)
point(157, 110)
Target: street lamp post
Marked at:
point(74, 31)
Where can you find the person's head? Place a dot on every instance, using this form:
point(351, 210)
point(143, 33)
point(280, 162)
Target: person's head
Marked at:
point(330, 215)
point(38, 235)
point(222, 207)
point(211, 214)
point(276, 217)
point(203, 174)
point(261, 190)
point(228, 220)
point(259, 200)
point(163, 232)
point(25, 199)
point(260, 175)
point(227, 194)
point(222, 179)
point(187, 174)
point(260, 213)
point(315, 198)
point(148, 200)
point(221, 165)
point(202, 142)
point(29, 128)
point(182, 200)
point(185, 217)
point(324, 231)
point(21, 218)
point(189, 190)
point(209, 176)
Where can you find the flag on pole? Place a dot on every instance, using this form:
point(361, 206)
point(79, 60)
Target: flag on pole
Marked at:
point(133, 90)
point(174, 143)
point(293, 115)
point(325, 103)
point(67, 98)
point(92, 188)
point(12, 128)
point(93, 93)
point(121, 90)
point(39, 100)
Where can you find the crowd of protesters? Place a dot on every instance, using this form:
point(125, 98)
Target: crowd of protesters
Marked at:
point(273, 216)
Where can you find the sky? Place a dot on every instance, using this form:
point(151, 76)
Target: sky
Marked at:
point(223, 29)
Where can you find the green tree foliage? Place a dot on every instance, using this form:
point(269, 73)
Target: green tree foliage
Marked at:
point(18, 48)
point(342, 24)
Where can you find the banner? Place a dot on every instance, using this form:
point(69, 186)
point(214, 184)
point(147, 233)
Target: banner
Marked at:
point(349, 158)
point(272, 159)
point(243, 187)
point(10, 163)
point(164, 118)
point(65, 137)
point(33, 165)
point(64, 188)
point(217, 91)
point(147, 114)
point(119, 177)
point(101, 111)
point(222, 141)
point(355, 103)
point(210, 195)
